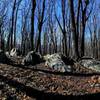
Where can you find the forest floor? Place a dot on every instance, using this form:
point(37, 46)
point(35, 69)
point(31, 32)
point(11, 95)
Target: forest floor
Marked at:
point(40, 83)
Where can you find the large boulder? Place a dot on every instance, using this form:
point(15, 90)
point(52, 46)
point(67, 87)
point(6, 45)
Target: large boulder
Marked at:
point(32, 58)
point(14, 52)
point(56, 63)
point(90, 63)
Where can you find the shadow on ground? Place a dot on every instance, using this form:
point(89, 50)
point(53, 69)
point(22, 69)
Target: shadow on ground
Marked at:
point(47, 71)
point(41, 95)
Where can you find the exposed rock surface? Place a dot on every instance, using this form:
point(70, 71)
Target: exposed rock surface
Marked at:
point(91, 64)
point(14, 52)
point(32, 58)
point(55, 62)
point(7, 53)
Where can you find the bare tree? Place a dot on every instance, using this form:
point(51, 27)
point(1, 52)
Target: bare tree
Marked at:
point(3, 16)
point(25, 43)
point(75, 36)
point(32, 23)
point(40, 24)
point(52, 26)
point(12, 24)
point(83, 13)
point(15, 20)
point(63, 27)
point(85, 17)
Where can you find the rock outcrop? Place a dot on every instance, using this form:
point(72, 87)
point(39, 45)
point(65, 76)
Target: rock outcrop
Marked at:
point(32, 58)
point(56, 63)
point(91, 64)
point(14, 52)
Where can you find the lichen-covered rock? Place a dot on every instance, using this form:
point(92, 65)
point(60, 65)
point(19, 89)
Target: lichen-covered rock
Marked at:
point(56, 63)
point(7, 54)
point(14, 52)
point(91, 64)
point(32, 58)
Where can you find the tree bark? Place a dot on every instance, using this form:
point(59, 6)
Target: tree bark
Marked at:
point(75, 37)
point(32, 23)
point(12, 25)
point(38, 47)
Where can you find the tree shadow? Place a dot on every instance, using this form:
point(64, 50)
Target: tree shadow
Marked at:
point(42, 95)
point(5, 60)
point(47, 71)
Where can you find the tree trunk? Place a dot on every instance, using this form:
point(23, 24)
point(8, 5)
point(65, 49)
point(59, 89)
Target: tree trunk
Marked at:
point(75, 37)
point(12, 25)
point(32, 24)
point(38, 47)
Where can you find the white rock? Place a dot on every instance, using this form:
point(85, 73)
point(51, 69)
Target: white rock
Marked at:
point(55, 62)
point(91, 64)
point(7, 53)
point(13, 52)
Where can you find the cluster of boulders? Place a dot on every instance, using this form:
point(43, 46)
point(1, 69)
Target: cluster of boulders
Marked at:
point(58, 62)
point(13, 53)
point(5, 57)
point(31, 58)
point(54, 61)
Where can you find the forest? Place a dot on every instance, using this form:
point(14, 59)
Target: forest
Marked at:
point(47, 47)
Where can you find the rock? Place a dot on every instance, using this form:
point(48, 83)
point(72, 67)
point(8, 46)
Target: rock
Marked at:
point(67, 60)
point(14, 52)
point(91, 64)
point(7, 54)
point(46, 57)
point(56, 63)
point(32, 58)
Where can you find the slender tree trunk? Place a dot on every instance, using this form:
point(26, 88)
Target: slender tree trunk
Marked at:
point(15, 22)
point(84, 19)
point(12, 25)
point(32, 23)
point(15, 28)
point(65, 44)
point(82, 41)
point(40, 28)
point(83, 31)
